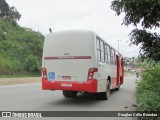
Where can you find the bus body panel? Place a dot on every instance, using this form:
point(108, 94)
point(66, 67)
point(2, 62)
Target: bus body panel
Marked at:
point(68, 56)
point(87, 86)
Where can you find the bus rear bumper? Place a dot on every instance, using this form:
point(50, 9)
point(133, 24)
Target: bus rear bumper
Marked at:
point(87, 86)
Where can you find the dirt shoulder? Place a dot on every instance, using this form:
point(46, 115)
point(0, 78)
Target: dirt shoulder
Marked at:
point(24, 80)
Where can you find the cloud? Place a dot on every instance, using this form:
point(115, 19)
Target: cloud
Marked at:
point(95, 15)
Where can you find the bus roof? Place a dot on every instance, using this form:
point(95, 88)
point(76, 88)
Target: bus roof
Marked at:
point(71, 31)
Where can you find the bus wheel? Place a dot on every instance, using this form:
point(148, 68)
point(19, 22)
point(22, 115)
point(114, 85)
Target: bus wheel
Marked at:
point(105, 95)
point(69, 94)
point(107, 90)
point(117, 89)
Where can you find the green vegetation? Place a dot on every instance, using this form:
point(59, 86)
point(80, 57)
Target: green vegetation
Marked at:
point(148, 91)
point(9, 13)
point(145, 13)
point(20, 50)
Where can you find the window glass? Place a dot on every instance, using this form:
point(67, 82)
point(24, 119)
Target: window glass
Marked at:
point(108, 49)
point(102, 57)
point(102, 45)
point(105, 48)
point(99, 55)
point(106, 58)
point(104, 52)
point(98, 45)
point(111, 56)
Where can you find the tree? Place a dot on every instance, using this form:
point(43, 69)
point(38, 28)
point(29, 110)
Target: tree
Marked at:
point(4, 9)
point(146, 13)
point(14, 15)
point(9, 13)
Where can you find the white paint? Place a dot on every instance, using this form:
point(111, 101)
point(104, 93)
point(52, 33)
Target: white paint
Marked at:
point(75, 43)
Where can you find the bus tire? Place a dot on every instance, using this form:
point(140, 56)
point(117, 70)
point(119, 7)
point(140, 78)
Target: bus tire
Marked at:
point(69, 94)
point(117, 89)
point(105, 95)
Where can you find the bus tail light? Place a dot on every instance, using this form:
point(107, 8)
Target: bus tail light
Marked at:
point(44, 73)
point(91, 73)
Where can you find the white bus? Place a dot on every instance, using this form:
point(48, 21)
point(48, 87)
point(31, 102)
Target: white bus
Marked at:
point(80, 61)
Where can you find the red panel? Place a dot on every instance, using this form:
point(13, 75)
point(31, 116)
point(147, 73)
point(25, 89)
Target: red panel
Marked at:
point(118, 71)
point(88, 86)
point(122, 71)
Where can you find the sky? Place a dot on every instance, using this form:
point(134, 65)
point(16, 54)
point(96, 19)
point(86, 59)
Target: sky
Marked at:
point(94, 15)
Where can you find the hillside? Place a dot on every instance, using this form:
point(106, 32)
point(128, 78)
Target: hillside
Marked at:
point(20, 50)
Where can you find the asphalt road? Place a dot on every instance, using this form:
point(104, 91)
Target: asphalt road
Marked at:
point(30, 97)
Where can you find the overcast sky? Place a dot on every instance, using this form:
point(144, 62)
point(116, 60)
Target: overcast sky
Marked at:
point(95, 15)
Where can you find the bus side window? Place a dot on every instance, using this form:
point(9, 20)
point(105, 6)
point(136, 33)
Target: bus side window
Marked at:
point(98, 45)
point(102, 51)
point(113, 56)
point(106, 53)
point(98, 50)
point(109, 57)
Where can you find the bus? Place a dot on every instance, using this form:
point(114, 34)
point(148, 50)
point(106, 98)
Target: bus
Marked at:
point(77, 61)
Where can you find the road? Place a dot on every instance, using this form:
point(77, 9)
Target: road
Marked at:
point(30, 97)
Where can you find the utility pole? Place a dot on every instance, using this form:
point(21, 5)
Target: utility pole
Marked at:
point(118, 44)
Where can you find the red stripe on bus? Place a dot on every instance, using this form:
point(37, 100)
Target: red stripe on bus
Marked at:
point(50, 58)
point(82, 57)
point(67, 57)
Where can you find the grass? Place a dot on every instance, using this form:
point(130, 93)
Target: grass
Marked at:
point(20, 51)
point(148, 90)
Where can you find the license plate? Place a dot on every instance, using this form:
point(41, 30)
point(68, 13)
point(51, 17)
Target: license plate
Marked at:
point(66, 77)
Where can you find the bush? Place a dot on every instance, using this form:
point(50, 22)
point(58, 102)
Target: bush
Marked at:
point(31, 64)
point(148, 91)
